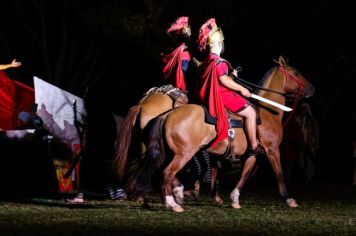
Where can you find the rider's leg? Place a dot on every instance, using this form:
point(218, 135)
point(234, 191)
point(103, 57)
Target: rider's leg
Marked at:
point(249, 115)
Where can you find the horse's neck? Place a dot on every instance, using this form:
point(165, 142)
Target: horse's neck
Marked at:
point(274, 82)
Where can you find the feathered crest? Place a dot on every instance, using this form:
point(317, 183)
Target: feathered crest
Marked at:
point(180, 23)
point(204, 32)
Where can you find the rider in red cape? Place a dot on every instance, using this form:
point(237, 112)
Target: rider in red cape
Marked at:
point(176, 61)
point(211, 96)
point(218, 90)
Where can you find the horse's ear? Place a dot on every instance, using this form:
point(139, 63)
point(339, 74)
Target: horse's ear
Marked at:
point(281, 60)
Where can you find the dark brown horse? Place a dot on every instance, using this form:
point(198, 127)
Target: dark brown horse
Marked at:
point(184, 131)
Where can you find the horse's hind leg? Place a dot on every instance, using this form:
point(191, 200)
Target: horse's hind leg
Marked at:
point(246, 173)
point(169, 175)
point(178, 191)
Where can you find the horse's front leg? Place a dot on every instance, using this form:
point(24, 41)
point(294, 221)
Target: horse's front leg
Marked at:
point(246, 173)
point(274, 159)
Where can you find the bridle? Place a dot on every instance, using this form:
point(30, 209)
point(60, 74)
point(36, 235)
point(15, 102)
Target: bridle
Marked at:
point(288, 75)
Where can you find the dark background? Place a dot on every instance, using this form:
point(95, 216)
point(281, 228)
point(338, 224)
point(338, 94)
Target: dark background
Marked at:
point(111, 48)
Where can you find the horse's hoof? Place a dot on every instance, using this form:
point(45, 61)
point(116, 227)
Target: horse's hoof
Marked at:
point(191, 194)
point(139, 199)
point(292, 203)
point(177, 209)
point(219, 201)
point(236, 205)
point(179, 201)
point(195, 195)
point(145, 206)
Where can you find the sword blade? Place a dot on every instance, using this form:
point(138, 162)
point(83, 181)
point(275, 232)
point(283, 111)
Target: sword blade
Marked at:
point(265, 100)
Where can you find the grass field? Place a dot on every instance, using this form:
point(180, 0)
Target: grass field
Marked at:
point(325, 209)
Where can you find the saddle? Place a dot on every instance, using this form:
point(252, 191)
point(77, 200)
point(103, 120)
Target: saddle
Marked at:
point(233, 123)
point(178, 96)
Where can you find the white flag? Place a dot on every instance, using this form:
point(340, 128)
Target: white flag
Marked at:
point(55, 107)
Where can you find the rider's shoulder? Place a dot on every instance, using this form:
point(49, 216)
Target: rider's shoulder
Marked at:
point(223, 61)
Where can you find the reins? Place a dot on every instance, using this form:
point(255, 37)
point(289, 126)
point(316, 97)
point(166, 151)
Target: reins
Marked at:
point(288, 75)
point(247, 84)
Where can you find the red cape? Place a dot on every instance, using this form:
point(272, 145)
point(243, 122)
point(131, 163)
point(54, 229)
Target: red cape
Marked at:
point(211, 97)
point(14, 98)
point(173, 64)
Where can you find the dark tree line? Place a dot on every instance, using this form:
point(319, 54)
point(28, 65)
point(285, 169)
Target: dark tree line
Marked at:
point(48, 38)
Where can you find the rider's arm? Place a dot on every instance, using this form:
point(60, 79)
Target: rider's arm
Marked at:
point(4, 67)
point(14, 63)
point(228, 82)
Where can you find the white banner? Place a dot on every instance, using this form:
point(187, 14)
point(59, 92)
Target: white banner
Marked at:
point(55, 107)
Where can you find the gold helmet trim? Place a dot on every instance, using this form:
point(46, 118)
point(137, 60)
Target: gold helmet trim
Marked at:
point(186, 31)
point(216, 36)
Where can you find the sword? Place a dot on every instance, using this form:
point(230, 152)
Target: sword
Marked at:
point(262, 99)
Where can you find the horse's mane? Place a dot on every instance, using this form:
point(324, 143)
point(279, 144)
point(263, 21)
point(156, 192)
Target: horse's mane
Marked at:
point(264, 78)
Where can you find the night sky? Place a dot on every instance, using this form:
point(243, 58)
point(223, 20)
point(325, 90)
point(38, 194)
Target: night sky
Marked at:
point(112, 49)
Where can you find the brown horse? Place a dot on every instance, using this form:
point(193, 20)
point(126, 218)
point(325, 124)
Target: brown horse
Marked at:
point(129, 144)
point(184, 131)
point(155, 102)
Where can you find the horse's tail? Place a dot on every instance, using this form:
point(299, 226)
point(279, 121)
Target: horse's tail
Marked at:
point(124, 140)
point(141, 180)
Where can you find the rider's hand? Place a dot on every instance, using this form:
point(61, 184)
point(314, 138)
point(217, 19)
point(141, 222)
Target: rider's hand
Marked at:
point(245, 92)
point(234, 72)
point(15, 63)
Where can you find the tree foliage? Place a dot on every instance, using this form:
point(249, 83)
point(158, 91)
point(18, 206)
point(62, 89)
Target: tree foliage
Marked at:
point(48, 39)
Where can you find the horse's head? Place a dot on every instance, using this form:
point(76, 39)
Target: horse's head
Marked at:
point(295, 83)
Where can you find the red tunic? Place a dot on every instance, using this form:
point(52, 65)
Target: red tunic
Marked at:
point(232, 100)
point(216, 96)
point(172, 69)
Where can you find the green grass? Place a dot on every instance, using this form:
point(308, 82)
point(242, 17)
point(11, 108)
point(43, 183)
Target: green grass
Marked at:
point(324, 210)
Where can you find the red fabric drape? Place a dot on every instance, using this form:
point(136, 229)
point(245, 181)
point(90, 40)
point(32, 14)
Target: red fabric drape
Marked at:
point(173, 66)
point(211, 97)
point(14, 98)
point(7, 103)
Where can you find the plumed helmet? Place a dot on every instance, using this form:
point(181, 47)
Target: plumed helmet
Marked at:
point(209, 33)
point(180, 27)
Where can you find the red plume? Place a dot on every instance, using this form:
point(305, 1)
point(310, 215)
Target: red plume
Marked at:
point(180, 23)
point(204, 31)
